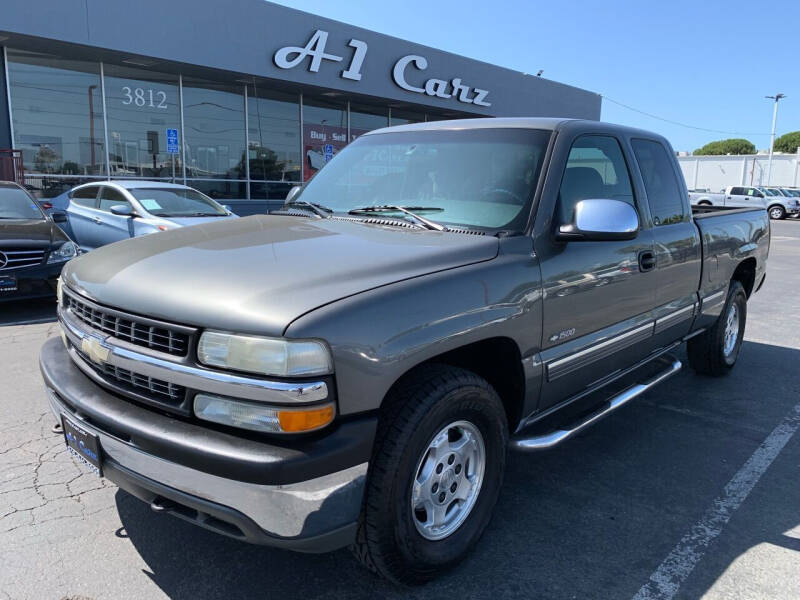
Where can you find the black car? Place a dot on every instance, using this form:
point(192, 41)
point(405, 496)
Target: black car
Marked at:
point(33, 248)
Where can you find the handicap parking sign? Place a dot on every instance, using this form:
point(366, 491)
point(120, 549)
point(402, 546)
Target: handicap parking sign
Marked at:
point(327, 150)
point(172, 141)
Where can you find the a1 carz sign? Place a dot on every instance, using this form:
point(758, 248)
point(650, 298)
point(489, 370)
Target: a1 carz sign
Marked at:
point(403, 72)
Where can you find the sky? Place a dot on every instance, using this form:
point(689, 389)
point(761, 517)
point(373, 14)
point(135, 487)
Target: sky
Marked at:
point(706, 64)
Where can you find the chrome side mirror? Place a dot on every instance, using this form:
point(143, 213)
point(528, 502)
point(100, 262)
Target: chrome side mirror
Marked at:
point(293, 193)
point(601, 220)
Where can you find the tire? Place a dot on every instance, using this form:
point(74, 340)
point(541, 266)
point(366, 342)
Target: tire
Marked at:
point(776, 212)
point(392, 538)
point(712, 352)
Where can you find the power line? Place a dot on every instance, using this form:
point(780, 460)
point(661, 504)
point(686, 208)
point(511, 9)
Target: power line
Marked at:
point(652, 116)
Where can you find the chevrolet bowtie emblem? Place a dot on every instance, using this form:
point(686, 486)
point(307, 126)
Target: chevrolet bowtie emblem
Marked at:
point(93, 348)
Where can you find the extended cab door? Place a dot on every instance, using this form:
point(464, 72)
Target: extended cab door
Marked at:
point(598, 296)
point(676, 239)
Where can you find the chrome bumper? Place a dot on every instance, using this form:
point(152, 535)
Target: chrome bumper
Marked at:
point(300, 510)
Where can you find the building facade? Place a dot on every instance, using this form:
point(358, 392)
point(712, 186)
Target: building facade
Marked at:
point(241, 100)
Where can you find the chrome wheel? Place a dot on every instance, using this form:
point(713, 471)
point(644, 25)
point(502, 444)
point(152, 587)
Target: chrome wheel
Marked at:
point(448, 480)
point(731, 329)
point(776, 213)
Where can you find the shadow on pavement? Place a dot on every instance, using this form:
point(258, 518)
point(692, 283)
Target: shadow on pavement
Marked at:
point(24, 312)
point(591, 519)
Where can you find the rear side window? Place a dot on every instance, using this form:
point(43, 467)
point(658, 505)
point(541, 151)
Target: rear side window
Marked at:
point(595, 169)
point(737, 191)
point(110, 197)
point(85, 196)
point(664, 193)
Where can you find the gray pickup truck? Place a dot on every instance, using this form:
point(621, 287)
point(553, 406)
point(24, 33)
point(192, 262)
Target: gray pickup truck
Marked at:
point(351, 369)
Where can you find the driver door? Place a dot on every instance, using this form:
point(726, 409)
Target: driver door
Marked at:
point(598, 295)
point(112, 228)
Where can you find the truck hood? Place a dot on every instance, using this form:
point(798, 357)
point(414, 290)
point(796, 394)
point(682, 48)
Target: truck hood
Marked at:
point(187, 221)
point(257, 274)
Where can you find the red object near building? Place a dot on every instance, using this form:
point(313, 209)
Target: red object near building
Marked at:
point(11, 166)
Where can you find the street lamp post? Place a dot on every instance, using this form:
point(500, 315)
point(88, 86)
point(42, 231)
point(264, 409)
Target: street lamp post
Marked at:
point(776, 98)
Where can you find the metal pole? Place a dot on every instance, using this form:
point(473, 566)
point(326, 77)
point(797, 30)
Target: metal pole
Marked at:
point(246, 146)
point(8, 97)
point(183, 130)
point(776, 98)
point(302, 158)
point(105, 119)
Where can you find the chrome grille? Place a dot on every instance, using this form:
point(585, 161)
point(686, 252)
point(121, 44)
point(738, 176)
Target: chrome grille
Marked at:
point(128, 328)
point(19, 258)
point(160, 391)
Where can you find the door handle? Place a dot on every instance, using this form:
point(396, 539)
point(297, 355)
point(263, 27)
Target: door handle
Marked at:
point(97, 220)
point(647, 260)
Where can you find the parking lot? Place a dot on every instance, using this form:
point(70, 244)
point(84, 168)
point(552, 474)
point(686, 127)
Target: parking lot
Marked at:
point(692, 491)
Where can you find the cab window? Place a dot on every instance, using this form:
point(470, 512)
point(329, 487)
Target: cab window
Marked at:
point(596, 168)
point(664, 193)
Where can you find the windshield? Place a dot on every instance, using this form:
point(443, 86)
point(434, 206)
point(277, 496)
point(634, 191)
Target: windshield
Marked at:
point(177, 202)
point(772, 192)
point(17, 204)
point(482, 178)
point(792, 193)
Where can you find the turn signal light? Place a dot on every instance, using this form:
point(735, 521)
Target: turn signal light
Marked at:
point(256, 416)
point(294, 421)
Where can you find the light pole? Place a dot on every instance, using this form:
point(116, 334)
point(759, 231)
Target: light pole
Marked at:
point(776, 98)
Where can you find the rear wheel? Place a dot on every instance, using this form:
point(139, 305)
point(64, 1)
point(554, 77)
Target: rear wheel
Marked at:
point(777, 212)
point(435, 474)
point(714, 352)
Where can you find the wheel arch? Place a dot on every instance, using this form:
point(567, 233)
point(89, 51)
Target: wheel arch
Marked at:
point(745, 273)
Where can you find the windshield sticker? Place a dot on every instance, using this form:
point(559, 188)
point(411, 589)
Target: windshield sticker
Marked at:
point(150, 204)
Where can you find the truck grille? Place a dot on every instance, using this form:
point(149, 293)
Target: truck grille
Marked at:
point(157, 390)
point(19, 258)
point(128, 328)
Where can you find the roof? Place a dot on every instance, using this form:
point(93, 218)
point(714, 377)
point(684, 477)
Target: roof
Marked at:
point(488, 123)
point(130, 184)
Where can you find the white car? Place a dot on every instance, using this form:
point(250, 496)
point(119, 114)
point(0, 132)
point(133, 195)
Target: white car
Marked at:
point(779, 203)
point(104, 212)
point(734, 196)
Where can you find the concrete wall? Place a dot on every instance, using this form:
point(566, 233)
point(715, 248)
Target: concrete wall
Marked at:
point(717, 172)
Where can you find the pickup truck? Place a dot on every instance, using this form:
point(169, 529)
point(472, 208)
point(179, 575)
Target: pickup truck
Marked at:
point(734, 196)
point(351, 369)
point(780, 203)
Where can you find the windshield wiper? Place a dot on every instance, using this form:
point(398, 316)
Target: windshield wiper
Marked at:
point(317, 209)
point(206, 214)
point(427, 223)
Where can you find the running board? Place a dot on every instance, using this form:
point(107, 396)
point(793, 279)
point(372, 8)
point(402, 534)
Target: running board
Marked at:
point(548, 440)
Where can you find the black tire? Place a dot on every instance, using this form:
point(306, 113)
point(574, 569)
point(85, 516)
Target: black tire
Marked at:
point(776, 212)
point(707, 351)
point(419, 407)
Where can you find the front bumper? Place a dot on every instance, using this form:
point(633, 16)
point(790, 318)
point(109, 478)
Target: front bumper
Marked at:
point(33, 282)
point(304, 496)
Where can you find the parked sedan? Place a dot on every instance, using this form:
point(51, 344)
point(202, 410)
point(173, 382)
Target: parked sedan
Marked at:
point(109, 211)
point(33, 248)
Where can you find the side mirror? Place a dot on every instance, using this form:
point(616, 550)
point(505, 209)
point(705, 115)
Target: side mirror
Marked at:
point(293, 193)
point(59, 216)
point(122, 210)
point(601, 220)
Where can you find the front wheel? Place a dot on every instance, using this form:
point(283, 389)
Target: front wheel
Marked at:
point(777, 212)
point(714, 352)
point(435, 474)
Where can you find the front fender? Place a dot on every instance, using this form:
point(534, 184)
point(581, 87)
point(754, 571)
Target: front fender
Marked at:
point(378, 335)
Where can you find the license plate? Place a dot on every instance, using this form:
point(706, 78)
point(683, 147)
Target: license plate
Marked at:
point(84, 445)
point(8, 283)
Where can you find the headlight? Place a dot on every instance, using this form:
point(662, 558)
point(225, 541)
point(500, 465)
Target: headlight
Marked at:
point(63, 253)
point(263, 355)
point(260, 417)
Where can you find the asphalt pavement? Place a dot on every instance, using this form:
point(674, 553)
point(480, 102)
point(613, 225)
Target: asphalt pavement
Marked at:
point(691, 491)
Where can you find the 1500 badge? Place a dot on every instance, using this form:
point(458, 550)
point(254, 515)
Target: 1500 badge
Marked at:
point(562, 335)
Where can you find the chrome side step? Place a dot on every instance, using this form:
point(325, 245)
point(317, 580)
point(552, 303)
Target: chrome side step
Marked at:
point(548, 440)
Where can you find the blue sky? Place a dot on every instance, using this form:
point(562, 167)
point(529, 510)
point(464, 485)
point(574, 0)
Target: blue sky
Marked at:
point(704, 63)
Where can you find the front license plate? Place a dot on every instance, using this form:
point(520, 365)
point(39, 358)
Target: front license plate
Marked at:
point(8, 283)
point(84, 445)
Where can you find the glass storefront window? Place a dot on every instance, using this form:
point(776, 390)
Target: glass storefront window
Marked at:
point(324, 133)
point(213, 115)
point(57, 111)
point(366, 118)
point(141, 106)
point(274, 136)
point(405, 117)
point(220, 189)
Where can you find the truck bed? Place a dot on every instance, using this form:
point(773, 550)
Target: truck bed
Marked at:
point(700, 212)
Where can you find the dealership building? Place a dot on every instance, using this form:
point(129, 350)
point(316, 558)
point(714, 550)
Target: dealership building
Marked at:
point(240, 100)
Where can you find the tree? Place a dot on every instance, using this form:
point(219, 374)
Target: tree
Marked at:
point(729, 146)
point(788, 142)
